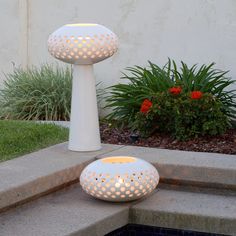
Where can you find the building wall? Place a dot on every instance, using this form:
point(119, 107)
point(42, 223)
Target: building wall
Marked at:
point(195, 31)
point(9, 28)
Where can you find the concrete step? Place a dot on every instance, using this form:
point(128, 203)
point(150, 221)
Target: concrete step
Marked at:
point(202, 169)
point(68, 212)
point(45, 171)
point(72, 212)
point(202, 212)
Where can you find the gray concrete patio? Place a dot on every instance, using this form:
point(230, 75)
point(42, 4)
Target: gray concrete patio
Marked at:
point(197, 192)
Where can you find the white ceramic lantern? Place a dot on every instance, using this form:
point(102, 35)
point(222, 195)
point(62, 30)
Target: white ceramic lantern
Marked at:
point(83, 45)
point(119, 179)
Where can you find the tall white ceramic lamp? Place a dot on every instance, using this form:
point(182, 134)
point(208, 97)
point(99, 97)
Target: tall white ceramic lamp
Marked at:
point(83, 45)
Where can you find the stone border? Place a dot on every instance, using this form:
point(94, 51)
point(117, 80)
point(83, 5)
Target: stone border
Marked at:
point(211, 170)
point(185, 210)
point(72, 212)
point(44, 171)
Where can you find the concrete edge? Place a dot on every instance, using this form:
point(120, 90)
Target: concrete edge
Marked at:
point(212, 178)
point(21, 194)
point(107, 225)
point(176, 170)
point(198, 223)
point(187, 210)
point(208, 170)
point(17, 190)
point(163, 208)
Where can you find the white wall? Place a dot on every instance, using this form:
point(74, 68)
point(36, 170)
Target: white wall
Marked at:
point(9, 28)
point(195, 31)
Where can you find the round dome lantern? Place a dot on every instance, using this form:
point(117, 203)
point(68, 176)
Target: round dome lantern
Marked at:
point(119, 179)
point(83, 45)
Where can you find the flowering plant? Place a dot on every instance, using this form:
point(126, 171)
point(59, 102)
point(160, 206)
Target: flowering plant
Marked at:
point(196, 94)
point(185, 102)
point(175, 90)
point(184, 116)
point(146, 105)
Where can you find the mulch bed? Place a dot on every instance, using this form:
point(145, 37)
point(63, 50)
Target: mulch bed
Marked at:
point(225, 143)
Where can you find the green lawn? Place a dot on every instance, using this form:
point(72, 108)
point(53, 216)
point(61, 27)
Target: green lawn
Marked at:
point(21, 137)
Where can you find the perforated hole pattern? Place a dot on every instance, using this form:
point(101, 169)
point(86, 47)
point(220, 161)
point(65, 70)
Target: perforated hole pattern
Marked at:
point(80, 49)
point(119, 187)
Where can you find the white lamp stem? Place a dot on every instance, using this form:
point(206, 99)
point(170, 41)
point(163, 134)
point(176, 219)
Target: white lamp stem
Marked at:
point(84, 125)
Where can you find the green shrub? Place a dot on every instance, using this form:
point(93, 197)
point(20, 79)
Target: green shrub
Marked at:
point(182, 116)
point(208, 80)
point(125, 99)
point(37, 94)
point(185, 102)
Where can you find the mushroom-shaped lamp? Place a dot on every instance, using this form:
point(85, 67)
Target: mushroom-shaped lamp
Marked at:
point(83, 45)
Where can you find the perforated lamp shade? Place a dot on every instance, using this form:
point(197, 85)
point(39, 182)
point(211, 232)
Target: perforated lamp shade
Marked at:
point(83, 45)
point(119, 179)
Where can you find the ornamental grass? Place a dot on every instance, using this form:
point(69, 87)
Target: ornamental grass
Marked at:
point(38, 93)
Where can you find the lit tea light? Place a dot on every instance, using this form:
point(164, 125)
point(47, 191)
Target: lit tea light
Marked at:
point(119, 179)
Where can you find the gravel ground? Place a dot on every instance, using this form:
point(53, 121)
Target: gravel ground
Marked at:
point(225, 143)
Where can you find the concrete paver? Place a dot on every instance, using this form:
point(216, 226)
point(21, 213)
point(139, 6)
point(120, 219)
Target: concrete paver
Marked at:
point(72, 212)
point(38, 172)
point(192, 168)
point(187, 210)
point(68, 212)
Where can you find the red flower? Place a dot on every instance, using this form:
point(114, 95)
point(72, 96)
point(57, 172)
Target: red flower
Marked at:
point(196, 94)
point(146, 105)
point(175, 90)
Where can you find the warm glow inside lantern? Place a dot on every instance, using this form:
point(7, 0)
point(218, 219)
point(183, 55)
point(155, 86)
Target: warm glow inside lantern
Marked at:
point(119, 178)
point(83, 45)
